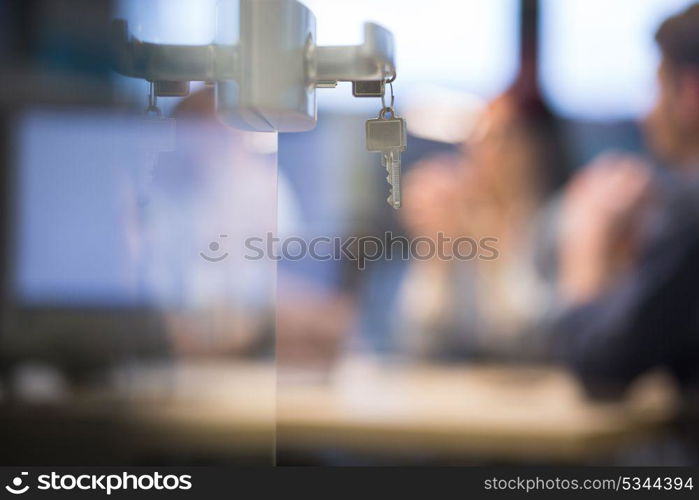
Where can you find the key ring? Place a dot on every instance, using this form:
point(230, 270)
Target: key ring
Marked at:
point(387, 109)
point(383, 101)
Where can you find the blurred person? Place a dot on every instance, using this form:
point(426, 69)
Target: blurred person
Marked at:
point(244, 307)
point(216, 302)
point(629, 254)
point(499, 187)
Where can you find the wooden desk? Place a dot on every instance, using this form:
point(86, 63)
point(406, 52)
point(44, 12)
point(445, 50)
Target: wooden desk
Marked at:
point(187, 412)
point(493, 412)
point(224, 410)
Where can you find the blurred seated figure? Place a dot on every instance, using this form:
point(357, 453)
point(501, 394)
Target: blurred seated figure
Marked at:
point(629, 251)
point(498, 188)
point(215, 191)
point(206, 197)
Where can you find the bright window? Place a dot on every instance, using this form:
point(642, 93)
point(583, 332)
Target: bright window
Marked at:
point(599, 57)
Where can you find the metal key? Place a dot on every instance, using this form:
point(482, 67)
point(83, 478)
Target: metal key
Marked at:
point(388, 137)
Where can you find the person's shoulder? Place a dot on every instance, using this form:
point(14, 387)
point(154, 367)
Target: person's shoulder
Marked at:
point(679, 196)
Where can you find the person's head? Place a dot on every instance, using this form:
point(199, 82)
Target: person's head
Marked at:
point(517, 143)
point(673, 125)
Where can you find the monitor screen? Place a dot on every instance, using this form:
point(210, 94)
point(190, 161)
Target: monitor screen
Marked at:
point(121, 211)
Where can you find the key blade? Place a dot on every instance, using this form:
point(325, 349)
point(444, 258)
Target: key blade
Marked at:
point(393, 167)
point(395, 183)
point(386, 163)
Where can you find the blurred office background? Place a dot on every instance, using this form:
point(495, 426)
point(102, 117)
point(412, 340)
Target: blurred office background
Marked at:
point(594, 65)
point(107, 214)
point(130, 317)
point(589, 68)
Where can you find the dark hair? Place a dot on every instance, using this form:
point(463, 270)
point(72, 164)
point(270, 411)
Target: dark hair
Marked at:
point(678, 37)
point(546, 130)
